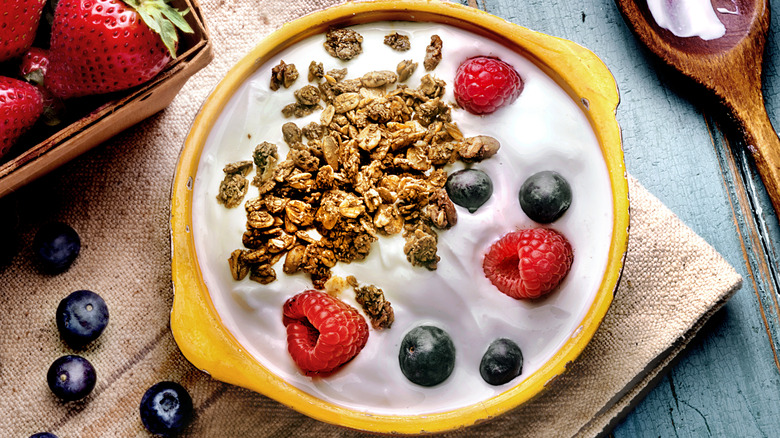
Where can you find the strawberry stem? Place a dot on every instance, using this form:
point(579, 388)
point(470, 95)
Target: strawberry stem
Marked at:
point(35, 77)
point(163, 19)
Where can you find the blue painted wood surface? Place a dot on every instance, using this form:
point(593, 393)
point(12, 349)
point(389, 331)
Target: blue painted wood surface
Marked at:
point(727, 382)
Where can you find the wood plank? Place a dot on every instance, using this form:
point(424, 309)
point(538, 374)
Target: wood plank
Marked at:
point(756, 227)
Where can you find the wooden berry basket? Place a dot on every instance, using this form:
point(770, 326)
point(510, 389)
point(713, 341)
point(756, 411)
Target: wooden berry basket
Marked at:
point(110, 114)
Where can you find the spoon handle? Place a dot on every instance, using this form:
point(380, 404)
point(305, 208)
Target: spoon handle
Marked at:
point(762, 141)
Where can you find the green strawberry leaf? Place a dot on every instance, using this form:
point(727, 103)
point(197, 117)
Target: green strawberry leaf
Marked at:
point(162, 19)
point(152, 22)
point(177, 18)
point(169, 36)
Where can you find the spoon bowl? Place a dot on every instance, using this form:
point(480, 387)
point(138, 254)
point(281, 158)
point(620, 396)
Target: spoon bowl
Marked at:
point(742, 18)
point(728, 68)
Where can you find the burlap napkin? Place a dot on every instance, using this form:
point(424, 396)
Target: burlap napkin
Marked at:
point(117, 198)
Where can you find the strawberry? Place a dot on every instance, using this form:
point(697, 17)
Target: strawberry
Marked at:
point(323, 332)
point(101, 46)
point(35, 63)
point(20, 106)
point(484, 84)
point(528, 263)
point(18, 23)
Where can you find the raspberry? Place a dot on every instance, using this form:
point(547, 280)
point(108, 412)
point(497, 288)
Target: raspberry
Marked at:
point(323, 332)
point(528, 263)
point(483, 84)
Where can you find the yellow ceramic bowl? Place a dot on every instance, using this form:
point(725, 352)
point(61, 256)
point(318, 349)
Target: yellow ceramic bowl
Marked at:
point(195, 323)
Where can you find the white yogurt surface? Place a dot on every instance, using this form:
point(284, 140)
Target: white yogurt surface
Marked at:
point(543, 130)
point(689, 18)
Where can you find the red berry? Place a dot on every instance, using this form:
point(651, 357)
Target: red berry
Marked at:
point(18, 23)
point(33, 68)
point(102, 46)
point(20, 106)
point(483, 84)
point(528, 263)
point(323, 332)
point(34, 64)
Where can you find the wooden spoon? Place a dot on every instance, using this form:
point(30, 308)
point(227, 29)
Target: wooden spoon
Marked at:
point(728, 67)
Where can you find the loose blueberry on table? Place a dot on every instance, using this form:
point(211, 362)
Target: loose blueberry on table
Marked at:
point(56, 246)
point(166, 408)
point(43, 435)
point(427, 355)
point(81, 317)
point(502, 362)
point(71, 377)
point(469, 188)
point(545, 196)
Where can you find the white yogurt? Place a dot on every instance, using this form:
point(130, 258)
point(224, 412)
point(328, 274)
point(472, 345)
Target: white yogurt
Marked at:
point(543, 130)
point(689, 18)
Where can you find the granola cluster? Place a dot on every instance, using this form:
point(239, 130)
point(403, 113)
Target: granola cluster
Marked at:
point(433, 53)
point(398, 42)
point(344, 44)
point(283, 75)
point(234, 186)
point(372, 299)
point(373, 166)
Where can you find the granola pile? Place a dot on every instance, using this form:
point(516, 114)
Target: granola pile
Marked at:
point(373, 166)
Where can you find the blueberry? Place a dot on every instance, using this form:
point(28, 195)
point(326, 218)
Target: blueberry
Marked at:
point(166, 408)
point(545, 196)
point(56, 245)
point(469, 188)
point(71, 377)
point(81, 317)
point(43, 435)
point(427, 355)
point(502, 362)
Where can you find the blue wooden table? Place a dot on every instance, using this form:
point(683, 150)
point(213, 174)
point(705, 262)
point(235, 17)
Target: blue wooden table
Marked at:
point(727, 382)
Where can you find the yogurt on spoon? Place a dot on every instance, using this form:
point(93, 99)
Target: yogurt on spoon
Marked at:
point(688, 18)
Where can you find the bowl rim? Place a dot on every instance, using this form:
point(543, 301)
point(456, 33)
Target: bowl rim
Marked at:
point(195, 323)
